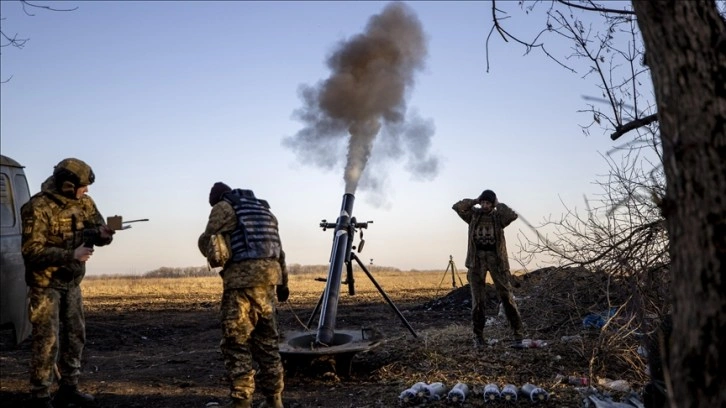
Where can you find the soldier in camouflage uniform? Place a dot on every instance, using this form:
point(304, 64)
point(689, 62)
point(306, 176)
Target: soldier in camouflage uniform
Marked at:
point(254, 275)
point(56, 222)
point(487, 251)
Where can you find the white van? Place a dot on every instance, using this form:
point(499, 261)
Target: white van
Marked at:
point(14, 193)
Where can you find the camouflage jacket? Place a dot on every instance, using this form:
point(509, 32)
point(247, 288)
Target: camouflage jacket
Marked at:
point(243, 274)
point(502, 216)
point(52, 229)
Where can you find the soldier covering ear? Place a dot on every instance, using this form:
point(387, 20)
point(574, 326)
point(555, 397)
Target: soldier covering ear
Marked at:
point(487, 253)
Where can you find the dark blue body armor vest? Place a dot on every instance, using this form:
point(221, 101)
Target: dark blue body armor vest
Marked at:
point(256, 236)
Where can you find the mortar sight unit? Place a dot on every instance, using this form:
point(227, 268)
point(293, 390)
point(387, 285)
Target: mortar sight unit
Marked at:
point(349, 225)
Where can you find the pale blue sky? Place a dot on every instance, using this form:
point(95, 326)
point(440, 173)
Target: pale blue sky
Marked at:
point(163, 99)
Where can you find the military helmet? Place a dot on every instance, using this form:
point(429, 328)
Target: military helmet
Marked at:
point(74, 170)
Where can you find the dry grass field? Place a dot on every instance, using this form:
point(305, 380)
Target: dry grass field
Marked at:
point(154, 342)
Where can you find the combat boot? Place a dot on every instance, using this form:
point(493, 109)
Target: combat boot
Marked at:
point(40, 402)
point(517, 343)
point(479, 342)
point(273, 401)
point(68, 395)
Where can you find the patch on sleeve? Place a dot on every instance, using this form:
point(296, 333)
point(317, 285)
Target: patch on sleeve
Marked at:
point(27, 226)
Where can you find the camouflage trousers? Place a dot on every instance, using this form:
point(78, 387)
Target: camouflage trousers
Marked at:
point(58, 324)
point(249, 338)
point(488, 261)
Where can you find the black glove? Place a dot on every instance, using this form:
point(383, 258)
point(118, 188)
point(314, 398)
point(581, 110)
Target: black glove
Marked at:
point(283, 292)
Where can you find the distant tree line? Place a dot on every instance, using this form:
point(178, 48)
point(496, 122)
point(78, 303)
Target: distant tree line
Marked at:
point(292, 269)
point(185, 272)
point(202, 271)
point(297, 269)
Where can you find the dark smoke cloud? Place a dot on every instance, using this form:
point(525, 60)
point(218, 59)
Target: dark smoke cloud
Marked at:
point(364, 99)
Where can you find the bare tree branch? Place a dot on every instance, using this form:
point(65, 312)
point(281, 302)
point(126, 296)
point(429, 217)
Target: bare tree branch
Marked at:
point(614, 53)
point(635, 124)
point(13, 41)
point(26, 4)
point(597, 8)
point(528, 45)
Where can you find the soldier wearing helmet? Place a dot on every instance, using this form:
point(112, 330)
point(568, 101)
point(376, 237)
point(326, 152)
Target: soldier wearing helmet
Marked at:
point(71, 174)
point(56, 221)
point(487, 252)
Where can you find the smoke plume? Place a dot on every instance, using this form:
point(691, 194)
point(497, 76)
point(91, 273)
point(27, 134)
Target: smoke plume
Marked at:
point(364, 99)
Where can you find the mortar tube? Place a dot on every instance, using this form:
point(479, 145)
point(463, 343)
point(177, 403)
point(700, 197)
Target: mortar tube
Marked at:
point(341, 238)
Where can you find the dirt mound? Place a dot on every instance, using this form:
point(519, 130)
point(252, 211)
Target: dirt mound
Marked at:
point(554, 299)
point(457, 299)
point(560, 296)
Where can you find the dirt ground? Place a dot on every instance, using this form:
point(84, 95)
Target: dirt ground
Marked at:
point(154, 354)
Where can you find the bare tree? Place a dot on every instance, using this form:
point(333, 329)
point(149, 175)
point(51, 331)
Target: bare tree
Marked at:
point(622, 232)
point(685, 53)
point(621, 235)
